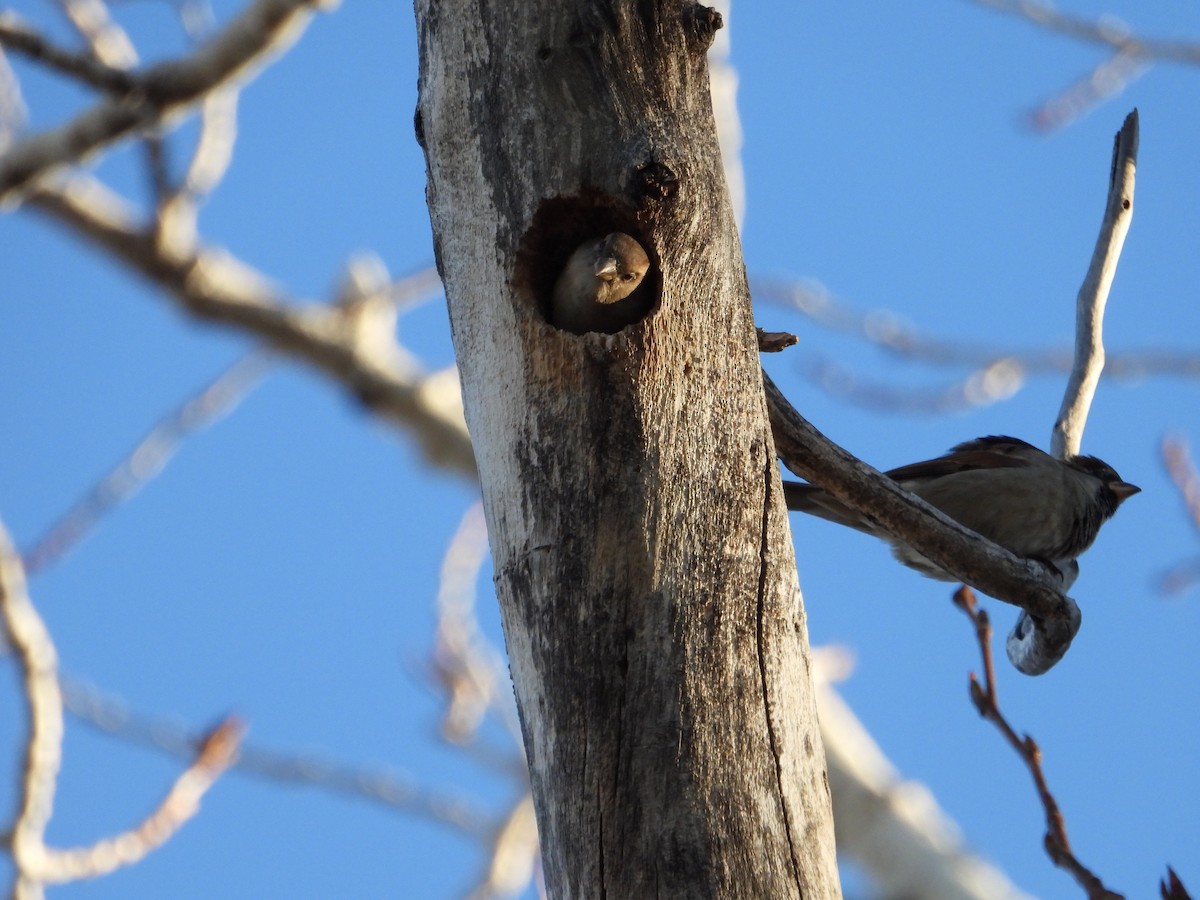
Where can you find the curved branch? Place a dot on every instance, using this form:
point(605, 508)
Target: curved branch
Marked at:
point(986, 701)
point(214, 753)
point(36, 863)
point(1067, 436)
point(265, 27)
point(38, 660)
point(1050, 619)
point(211, 285)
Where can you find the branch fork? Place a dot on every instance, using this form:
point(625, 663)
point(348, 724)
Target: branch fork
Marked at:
point(1049, 619)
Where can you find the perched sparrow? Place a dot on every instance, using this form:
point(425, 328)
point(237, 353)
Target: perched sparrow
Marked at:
point(1006, 490)
point(598, 276)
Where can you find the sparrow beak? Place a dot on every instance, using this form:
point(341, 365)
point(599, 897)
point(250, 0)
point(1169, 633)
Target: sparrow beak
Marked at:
point(606, 269)
point(1123, 489)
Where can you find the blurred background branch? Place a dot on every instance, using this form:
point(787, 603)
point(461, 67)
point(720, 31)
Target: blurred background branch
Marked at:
point(180, 115)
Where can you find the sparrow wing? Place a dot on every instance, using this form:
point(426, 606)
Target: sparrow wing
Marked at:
point(930, 479)
point(993, 452)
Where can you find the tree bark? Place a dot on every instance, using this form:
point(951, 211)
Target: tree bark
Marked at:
point(643, 562)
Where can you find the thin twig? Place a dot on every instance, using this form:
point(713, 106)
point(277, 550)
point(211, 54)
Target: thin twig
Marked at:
point(1107, 31)
point(1178, 462)
point(996, 381)
point(997, 378)
point(1058, 847)
point(263, 29)
point(388, 788)
point(214, 146)
point(20, 37)
point(147, 459)
point(890, 332)
point(1067, 437)
point(1104, 81)
point(178, 202)
point(881, 816)
point(992, 373)
point(214, 753)
point(158, 164)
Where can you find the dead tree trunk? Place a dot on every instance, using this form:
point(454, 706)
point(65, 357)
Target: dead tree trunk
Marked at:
point(643, 562)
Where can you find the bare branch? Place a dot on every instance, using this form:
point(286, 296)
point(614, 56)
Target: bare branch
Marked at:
point(214, 287)
point(1067, 436)
point(265, 28)
point(466, 667)
point(985, 699)
point(984, 386)
point(775, 341)
point(515, 854)
point(20, 37)
point(1178, 462)
point(36, 863)
point(388, 788)
point(107, 40)
point(36, 656)
point(892, 826)
point(214, 754)
point(473, 681)
point(989, 383)
point(889, 331)
point(1050, 619)
point(178, 203)
point(881, 327)
point(214, 147)
point(147, 459)
point(469, 669)
point(1107, 31)
point(1106, 80)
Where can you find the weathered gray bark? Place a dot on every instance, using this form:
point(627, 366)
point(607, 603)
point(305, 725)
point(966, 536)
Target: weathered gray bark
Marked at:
point(640, 543)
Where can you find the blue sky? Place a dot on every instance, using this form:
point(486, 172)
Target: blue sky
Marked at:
point(285, 564)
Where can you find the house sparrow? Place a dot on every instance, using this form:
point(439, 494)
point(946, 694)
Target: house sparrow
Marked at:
point(597, 277)
point(1006, 490)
